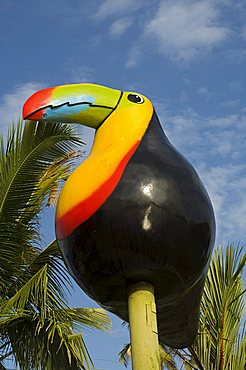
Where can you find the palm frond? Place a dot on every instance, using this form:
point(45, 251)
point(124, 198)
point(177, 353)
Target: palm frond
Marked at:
point(36, 293)
point(83, 319)
point(39, 344)
point(124, 354)
point(36, 324)
point(59, 170)
point(37, 341)
point(32, 151)
point(217, 345)
point(187, 365)
point(59, 279)
point(166, 357)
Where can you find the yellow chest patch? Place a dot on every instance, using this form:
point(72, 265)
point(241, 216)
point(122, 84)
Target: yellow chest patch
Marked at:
point(113, 140)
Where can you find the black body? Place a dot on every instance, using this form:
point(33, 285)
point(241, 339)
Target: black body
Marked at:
point(157, 226)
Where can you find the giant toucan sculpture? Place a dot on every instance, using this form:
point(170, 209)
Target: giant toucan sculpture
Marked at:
point(135, 210)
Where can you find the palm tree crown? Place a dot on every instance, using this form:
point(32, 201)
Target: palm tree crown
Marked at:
point(221, 340)
point(36, 325)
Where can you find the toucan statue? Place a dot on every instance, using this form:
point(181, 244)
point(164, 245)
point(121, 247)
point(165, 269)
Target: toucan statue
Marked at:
point(135, 210)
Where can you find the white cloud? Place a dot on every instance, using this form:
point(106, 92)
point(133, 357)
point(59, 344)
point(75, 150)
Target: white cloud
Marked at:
point(185, 29)
point(11, 103)
point(234, 56)
point(204, 92)
point(231, 120)
point(226, 185)
point(230, 104)
point(120, 26)
point(235, 86)
point(239, 214)
point(110, 8)
point(243, 33)
point(134, 56)
point(81, 74)
point(215, 146)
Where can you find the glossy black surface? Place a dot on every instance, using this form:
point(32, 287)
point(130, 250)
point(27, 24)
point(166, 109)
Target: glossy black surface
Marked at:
point(157, 226)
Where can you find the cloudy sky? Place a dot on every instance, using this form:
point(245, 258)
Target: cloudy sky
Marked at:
point(187, 56)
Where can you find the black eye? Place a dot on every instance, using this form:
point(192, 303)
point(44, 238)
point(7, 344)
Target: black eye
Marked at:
point(134, 98)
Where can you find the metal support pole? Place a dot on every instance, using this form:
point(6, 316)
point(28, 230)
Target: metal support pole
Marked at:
point(143, 327)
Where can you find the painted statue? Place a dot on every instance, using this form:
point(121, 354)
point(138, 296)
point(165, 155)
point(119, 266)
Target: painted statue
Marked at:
point(135, 210)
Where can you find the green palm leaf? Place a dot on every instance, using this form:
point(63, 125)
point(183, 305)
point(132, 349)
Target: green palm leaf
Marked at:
point(220, 344)
point(166, 357)
point(31, 151)
point(36, 325)
point(59, 279)
point(38, 340)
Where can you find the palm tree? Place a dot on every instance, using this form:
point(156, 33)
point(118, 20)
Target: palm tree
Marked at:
point(221, 339)
point(37, 328)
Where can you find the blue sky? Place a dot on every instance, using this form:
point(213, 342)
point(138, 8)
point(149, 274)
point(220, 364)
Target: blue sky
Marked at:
point(187, 56)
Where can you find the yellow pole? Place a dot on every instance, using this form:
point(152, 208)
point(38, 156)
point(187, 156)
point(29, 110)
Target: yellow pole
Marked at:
point(143, 327)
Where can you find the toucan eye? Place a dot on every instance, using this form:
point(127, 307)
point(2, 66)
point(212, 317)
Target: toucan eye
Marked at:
point(134, 98)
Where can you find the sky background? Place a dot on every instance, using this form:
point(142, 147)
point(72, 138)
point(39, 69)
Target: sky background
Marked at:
point(187, 56)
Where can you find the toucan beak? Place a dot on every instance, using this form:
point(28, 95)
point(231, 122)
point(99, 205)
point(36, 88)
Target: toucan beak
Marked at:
point(87, 104)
